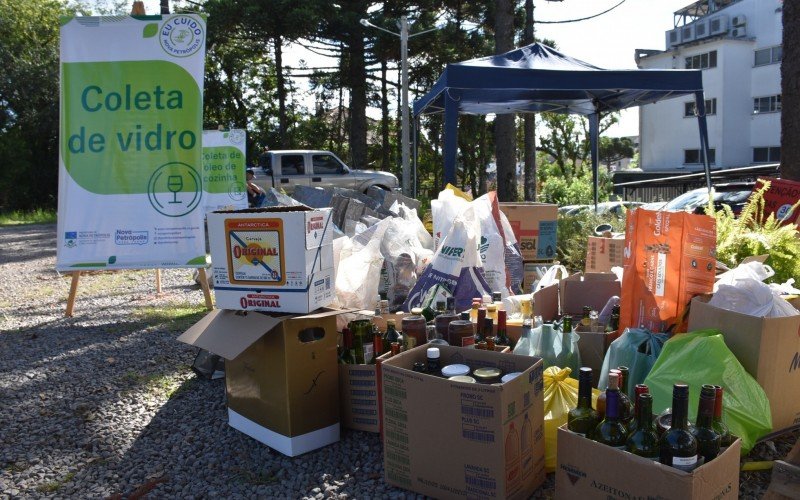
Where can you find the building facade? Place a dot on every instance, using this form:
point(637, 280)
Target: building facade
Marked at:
point(737, 45)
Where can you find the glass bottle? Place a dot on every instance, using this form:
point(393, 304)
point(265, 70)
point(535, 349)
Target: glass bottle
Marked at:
point(611, 430)
point(726, 438)
point(643, 441)
point(601, 399)
point(566, 323)
point(613, 323)
point(434, 338)
point(362, 335)
point(488, 329)
point(348, 356)
point(395, 348)
point(583, 419)
point(479, 322)
point(708, 441)
point(384, 307)
point(445, 318)
point(414, 326)
point(473, 312)
point(433, 367)
point(490, 344)
point(428, 312)
point(377, 346)
point(585, 319)
point(626, 405)
point(567, 357)
point(440, 307)
point(677, 446)
point(501, 338)
point(391, 335)
point(639, 389)
point(491, 312)
point(461, 332)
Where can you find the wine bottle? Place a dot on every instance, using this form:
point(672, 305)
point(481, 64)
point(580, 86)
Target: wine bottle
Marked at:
point(677, 446)
point(625, 403)
point(348, 356)
point(601, 399)
point(611, 431)
point(643, 441)
point(583, 419)
point(726, 438)
point(708, 441)
point(639, 389)
point(502, 337)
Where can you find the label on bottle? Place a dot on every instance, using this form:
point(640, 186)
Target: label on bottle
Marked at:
point(467, 341)
point(369, 353)
point(687, 464)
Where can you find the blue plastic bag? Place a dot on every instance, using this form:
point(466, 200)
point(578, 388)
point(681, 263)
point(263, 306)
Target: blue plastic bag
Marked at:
point(638, 350)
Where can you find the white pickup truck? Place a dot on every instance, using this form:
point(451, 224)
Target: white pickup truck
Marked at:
point(286, 169)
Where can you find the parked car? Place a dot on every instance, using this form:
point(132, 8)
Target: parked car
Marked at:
point(734, 195)
point(289, 168)
point(606, 207)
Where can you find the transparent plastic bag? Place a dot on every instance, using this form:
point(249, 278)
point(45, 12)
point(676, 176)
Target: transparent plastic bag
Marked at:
point(560, 396)
point(701, 357)
point(637, 349)
point(557, 349)
point(358, 276)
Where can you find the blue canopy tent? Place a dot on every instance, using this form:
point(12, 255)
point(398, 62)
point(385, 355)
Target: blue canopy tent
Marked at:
point(538, 78)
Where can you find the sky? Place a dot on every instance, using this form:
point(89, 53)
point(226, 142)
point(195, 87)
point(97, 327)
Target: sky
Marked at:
point(607, 41)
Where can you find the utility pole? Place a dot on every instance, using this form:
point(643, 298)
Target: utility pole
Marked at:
point(404, 104)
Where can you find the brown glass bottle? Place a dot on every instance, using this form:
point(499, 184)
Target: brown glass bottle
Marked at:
point(708, 441)
point(501, 338)
point(726, 438)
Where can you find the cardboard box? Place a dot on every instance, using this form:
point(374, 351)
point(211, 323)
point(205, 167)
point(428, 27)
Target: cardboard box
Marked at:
point(534, 226)
point(277, 259)
point(359, 396)
point(587, 469)
point(545, 304)
point(450, 439)
point(589, 289)
point(592, 346)
point(281, 375)
point(603, 253)
point(768, 348)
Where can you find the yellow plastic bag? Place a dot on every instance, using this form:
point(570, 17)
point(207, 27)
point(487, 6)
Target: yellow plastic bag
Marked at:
point(560, 396)
point(458, 192)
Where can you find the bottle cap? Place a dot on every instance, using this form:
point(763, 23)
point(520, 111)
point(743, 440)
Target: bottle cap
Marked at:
point(613, 379)
point(680, 391)
point(455, 370)
point(462, 378)
point(416, 310)
point(585, 373)
point(510, 376)
point(465, 316)
point(501, 316)
point(491, 307)
point(391, 322)
point(433, 353)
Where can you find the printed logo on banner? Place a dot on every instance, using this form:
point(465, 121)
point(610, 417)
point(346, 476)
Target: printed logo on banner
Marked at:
point(128, 237)
point(236, 136)
point(174, 189)
point(181, 36)
point(71, 239)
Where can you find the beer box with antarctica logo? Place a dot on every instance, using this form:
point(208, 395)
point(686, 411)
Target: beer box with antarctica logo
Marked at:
point(277, 259)
point(449, 439)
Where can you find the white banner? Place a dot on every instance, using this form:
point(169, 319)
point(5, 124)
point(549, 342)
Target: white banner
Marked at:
point(224, 159)
point(130, 188)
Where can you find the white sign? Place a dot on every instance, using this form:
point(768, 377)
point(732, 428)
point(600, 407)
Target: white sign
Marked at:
point(130, 186)
point(224, 160)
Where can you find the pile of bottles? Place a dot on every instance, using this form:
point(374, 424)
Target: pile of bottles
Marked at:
point(460, 372)
point(669, 438)
point(483, 326)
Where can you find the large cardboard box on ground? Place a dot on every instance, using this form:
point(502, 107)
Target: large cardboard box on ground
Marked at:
point(534, 226)
point(587, 469)
point(281, 375)
point(768, 348)
point(450, 439)
point(594, 290)
point(277, 259)
point(359, 396)
point(603, 253)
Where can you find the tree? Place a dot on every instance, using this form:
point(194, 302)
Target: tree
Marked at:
point(529, 156)
point(567, 141)
point(614, 149)
point(790, 92)
point(504, 125)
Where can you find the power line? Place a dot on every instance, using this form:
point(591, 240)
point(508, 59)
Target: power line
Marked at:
point(581, 19)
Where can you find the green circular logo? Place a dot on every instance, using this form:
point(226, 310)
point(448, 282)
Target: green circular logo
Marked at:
point(174, 189)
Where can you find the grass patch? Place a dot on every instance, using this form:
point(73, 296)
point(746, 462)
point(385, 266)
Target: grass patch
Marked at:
point(50, 487)
point(37, 216)
point(257, 478)
point(173, 317)
point(160, 385)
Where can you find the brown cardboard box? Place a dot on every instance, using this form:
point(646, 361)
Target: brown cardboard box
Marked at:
point(768, 348)
point(593, 345)
point(451, 439)
point(277, 259)
point(589, 289)
point(534, 226)
point(281, 375)
point(603, 253)
point(587, 469)
point(545, 304)
point(359, 396)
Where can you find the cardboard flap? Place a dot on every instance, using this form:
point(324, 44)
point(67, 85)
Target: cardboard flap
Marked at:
point(228, 333)
point(328, 312)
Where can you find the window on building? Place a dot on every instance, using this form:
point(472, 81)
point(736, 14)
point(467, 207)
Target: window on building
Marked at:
point(770, 55)
point(771, 154)
point(702, 61)
point(767, 104)
point(689, 108)
point(692, 156)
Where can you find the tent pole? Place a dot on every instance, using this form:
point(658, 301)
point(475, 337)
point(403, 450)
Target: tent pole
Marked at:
point(700, 108)
point(450, 137)
point(594, 131)
point(415, 125)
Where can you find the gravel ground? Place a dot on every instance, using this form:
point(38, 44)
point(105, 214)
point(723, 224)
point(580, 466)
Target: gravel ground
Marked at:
point(104, 404)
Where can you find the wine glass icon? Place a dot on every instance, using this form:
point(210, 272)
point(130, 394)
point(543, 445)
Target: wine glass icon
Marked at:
point(175, 184)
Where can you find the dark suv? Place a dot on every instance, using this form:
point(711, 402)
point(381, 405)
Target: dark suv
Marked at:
point(734, 195)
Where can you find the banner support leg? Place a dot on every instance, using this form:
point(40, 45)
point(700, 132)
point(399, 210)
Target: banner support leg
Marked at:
point(73, 290)
point(201, 273)
point(158, 281)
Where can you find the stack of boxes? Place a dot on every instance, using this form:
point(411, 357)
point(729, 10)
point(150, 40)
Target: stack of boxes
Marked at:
point(271, 268)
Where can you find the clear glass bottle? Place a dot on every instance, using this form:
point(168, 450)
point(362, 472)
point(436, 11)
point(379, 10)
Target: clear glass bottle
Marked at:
point(677, 446)
point(611, 430)
point(473, 312)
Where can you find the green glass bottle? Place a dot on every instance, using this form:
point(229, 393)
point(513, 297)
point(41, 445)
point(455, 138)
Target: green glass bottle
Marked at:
point(612, 431)
point(362, 335)
point(625, 403)
point(583, 419)
point(708, 441)
point(639, 389)
point(391, 335)
point(644, 440)
point(348, 355)
point(677, 446)
point(726, 438)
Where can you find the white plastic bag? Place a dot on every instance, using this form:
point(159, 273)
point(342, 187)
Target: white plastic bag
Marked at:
point(501, 259)
point(357, 277)
point(444, 211)
point(742, 290)
point(548, 276)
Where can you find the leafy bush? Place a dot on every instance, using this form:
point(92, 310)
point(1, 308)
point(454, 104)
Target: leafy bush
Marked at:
point(574, 189)
point(754, 234)
point(573, 234)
